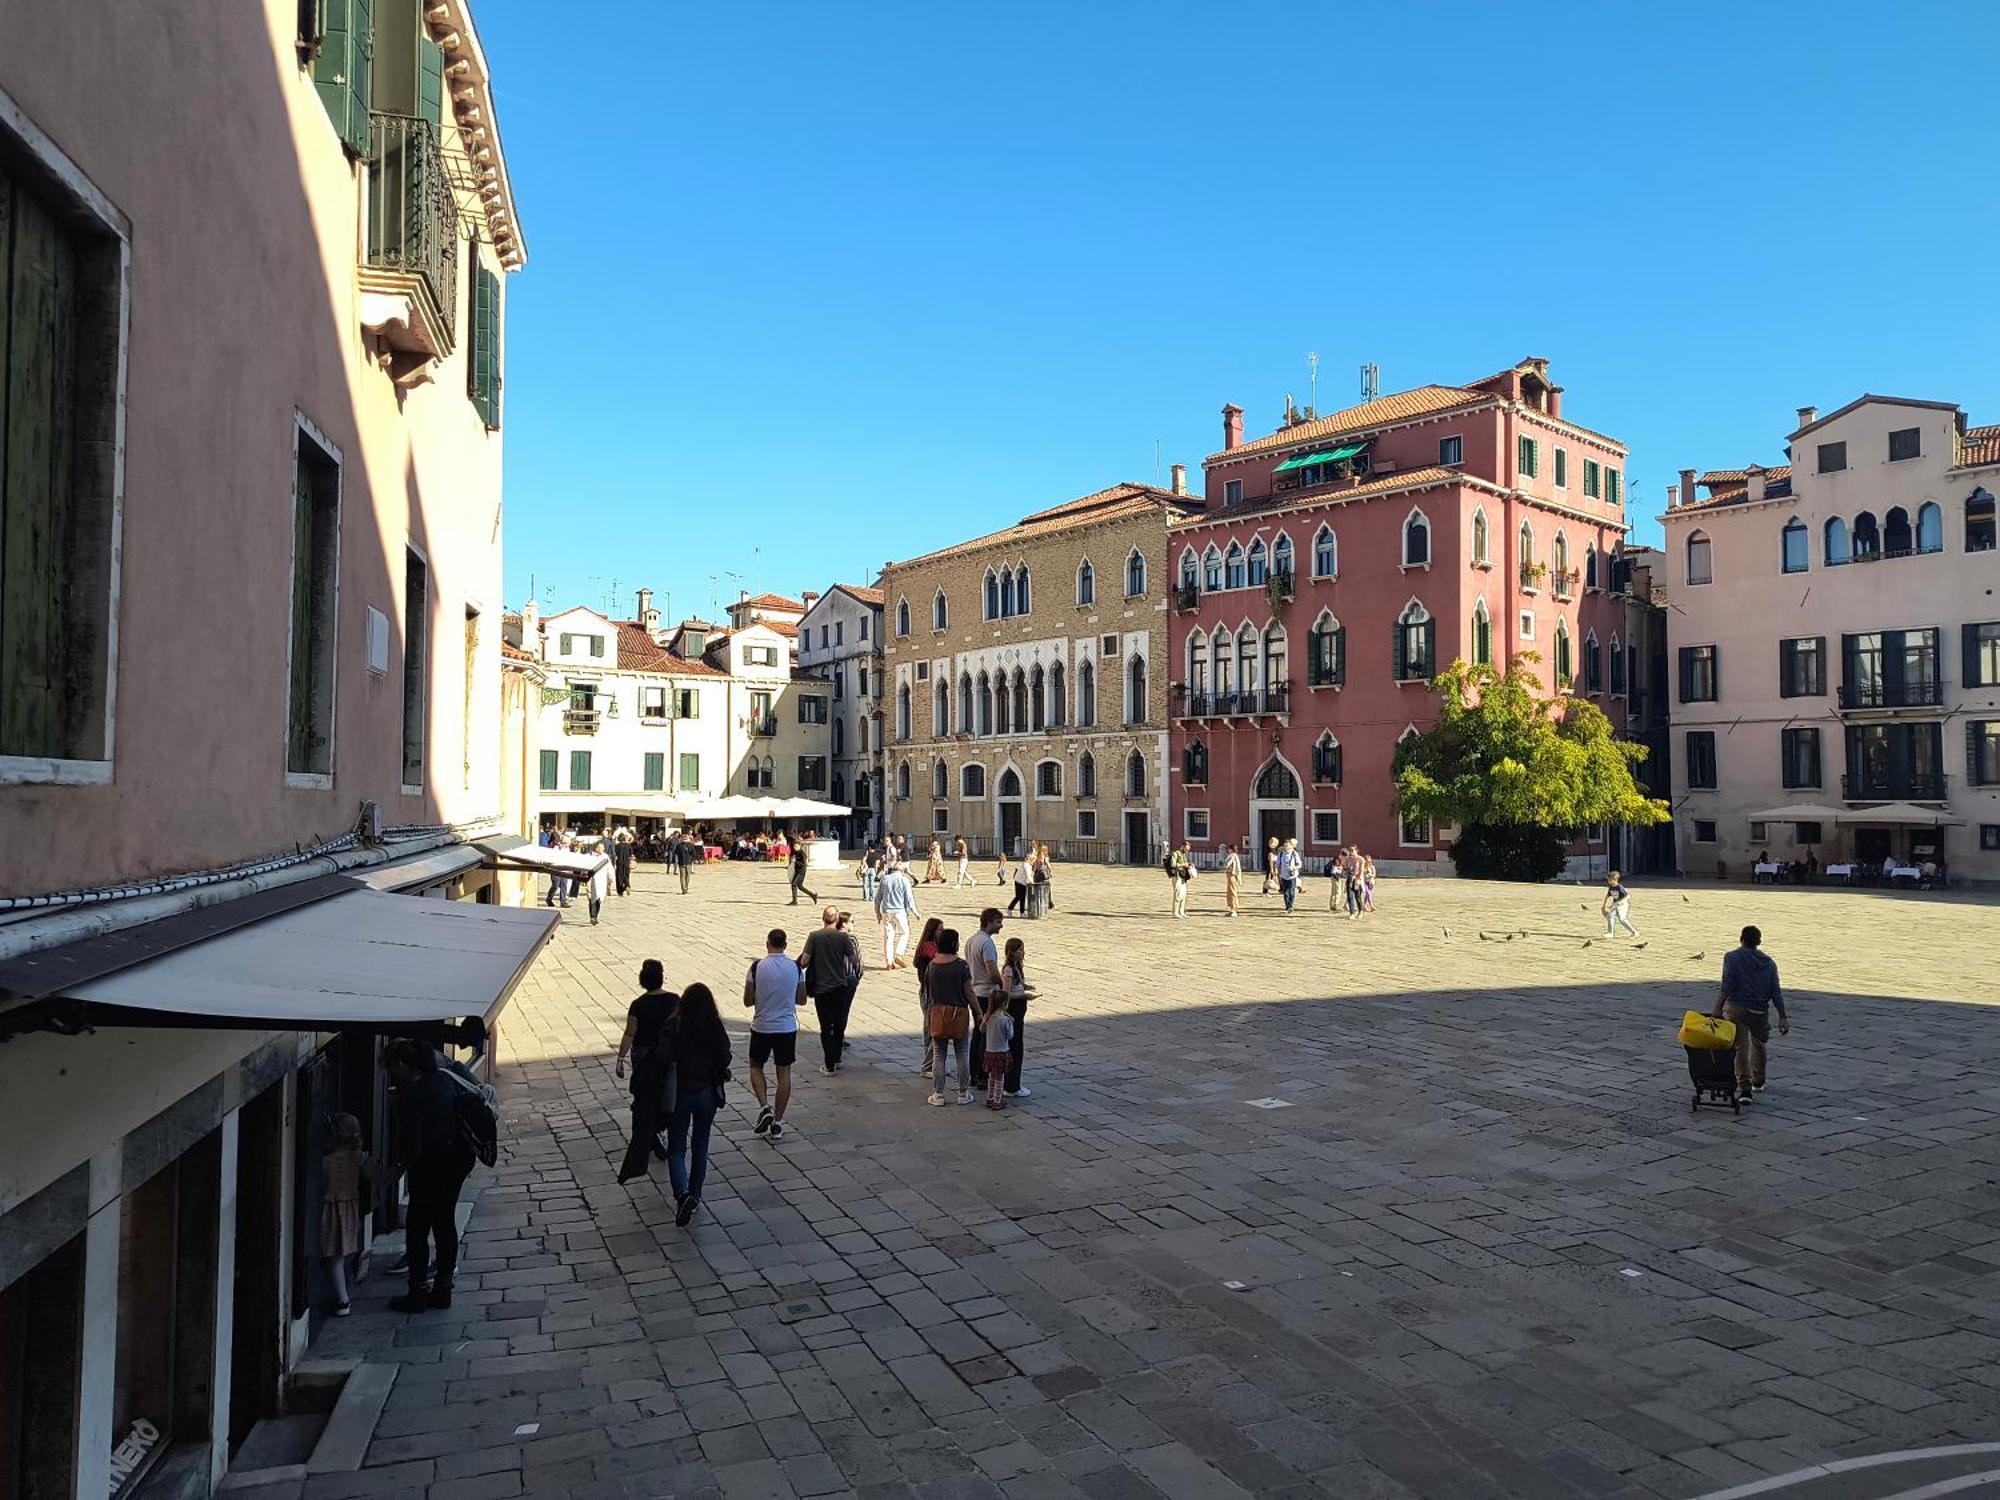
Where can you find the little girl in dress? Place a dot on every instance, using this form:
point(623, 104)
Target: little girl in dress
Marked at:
point(344, 1170)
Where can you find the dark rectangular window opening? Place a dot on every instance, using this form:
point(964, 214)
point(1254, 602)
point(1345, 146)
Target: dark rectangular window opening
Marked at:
point(1906, 442)
point(1701, 759)
point(315, 571)
point(1832, 457)
point(416, 664)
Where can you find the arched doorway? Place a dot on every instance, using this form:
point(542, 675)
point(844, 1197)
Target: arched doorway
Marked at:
point(1007, 811)
point(1275, 808)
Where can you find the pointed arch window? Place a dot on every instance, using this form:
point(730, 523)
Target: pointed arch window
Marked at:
point(1190, 571)
point(1135, 575)
point(1593, 664)
point(1223, 646)
point(940, 614)
point(1086, 775)
point(1482, 545)
point(1416, 644)
point(1326, 652)
point(1867, 537)
point(1197, 666)
point(1020, 701)
point(903, 780)
point(1482, 634)
point(1275, 668)
point(1246, 660)
point(1416, 540)
point(1021, 600)
point(1259, 567)
point(1980, 534)
point(940, 780)
point(964, 703)
point(1326, 760)
point(983, 702)
point(903, 712)
point(1135, 775)
point(1590, 566)
point(1233, 567)
point(1135, 689)
point(1086, 583)
point(1211, 569)
point(940, 713)
point(1276, 783)
point(1526, 543)
point(902, 617)
point(1006, 593)
point(1839, 548)
point(992, 594)
point(839, 736)
point(1794, 544)
point(1700, 558)
point(1617, 667)
point(1010, 783)
point(1058, 696)
point(1326, 553)
point(1086, 695)
point(1897, 540)
point(1930, 527)
point(1559, 564)
point(1003, 706)
point(1564, 663)
point(1281, 558)
point(1038, 701)
point(1194, 763)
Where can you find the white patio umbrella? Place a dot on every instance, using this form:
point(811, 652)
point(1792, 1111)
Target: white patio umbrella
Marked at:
point(1800, 812)
point(806, 807)
point(1898, 815)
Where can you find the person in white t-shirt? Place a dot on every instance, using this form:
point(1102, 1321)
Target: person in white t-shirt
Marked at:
point(774, 989)
point(982, 956)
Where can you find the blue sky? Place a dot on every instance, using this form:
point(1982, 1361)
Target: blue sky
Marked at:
point(812, 287)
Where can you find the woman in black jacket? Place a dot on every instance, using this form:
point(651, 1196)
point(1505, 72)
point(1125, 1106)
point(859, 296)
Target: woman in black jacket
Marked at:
point(700, 1048)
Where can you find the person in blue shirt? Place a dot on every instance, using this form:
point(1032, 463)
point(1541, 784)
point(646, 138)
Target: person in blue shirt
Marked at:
point(1749, 991)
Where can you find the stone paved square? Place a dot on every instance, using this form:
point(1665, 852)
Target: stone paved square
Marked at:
point(1486, 1250)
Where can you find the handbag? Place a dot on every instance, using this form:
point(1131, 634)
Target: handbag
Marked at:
point(948, 1023)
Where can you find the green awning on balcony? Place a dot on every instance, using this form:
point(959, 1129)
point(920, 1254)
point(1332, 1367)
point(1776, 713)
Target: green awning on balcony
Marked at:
point(1331, 456)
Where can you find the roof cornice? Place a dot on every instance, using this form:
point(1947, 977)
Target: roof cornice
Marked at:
point(470, 86)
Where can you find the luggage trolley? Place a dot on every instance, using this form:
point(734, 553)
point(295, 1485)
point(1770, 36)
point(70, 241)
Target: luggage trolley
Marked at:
point(1711, 1050)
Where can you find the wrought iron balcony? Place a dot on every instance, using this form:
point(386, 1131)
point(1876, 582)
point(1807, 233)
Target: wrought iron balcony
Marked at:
point(1861, 695)
point(1910, 786)
point(1186, 597)
point(1271, 700)
point(579, 721)
point(768, 725)
point(409, 277)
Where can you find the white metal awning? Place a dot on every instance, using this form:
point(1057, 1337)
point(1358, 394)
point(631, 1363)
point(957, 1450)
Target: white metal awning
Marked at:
point(513, 853)
point(433, 868)
point(358, 958)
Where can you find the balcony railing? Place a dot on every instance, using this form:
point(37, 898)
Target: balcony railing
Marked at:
point(1913, 786)
point(412, 231)
point(1891, 694)
point(579, 721)
point(1186, 597)
point(1271, 700)
point(767, 726)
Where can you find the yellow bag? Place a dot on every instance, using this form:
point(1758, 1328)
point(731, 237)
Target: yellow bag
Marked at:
point(1709, 1033)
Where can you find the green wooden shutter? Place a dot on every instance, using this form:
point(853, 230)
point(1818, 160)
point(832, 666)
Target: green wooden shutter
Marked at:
point(1399, 657)
point(430, 80)
point(1687, 673)
point(551, 765)
point(1430, 649)
point(1340, 654)
point(1968, 648)
point(483, 360)
point(343, 68)
point(360, 72)
point(656, 771)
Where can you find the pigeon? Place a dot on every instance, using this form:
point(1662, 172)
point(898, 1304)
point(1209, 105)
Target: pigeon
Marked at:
point(1509, 938)
point(1636, 947)
point(1684, 897)
point(1696, 957)
point(1586, 942)
point(1484, 938)
point(1447, 932)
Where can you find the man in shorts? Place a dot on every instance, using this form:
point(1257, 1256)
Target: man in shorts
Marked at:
point(774, 989)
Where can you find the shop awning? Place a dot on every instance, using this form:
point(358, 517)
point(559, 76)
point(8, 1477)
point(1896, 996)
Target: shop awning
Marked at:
point(360, 958)
point(512, 852)
point(1329, 456)
point(421, 872)
point(1897, 815)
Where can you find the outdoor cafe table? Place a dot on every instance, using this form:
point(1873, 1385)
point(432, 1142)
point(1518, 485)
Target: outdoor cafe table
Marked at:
point(1843, 872)
point(1773, 870)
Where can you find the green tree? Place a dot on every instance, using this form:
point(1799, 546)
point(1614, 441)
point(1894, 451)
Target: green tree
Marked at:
point(1516, 771)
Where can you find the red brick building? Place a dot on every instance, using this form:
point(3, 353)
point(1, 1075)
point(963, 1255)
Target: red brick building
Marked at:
point(1343, 560)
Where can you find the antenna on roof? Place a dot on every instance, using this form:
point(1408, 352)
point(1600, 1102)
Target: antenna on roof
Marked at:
point(1312, 364)
point(1371, 380)
point(1156, 463)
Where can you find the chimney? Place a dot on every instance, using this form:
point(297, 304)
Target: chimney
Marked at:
point(531, 628)
point(1180, 479)
point(1808, 415)
point(1556, 402)
point(1687, 486)
point(1753, 479)
point(808, 598)
point(743, 596)
point(1232, 426)
point(647, 616)
point(1673, 496)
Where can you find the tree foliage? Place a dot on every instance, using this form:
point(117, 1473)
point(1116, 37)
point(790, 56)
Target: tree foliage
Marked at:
point(1502, 756)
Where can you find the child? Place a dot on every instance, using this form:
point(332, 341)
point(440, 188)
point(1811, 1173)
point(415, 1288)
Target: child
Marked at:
point(342, 1172)
point(1016, 992)
point(1000, 867)
point(999, 1039)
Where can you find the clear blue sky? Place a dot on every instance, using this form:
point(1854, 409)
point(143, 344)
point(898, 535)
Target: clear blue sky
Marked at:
point(811, 287)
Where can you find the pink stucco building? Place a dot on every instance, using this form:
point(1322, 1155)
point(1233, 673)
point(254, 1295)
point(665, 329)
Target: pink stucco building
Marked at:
point(1343, 560)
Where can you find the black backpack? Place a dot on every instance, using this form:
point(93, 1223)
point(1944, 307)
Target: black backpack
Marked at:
point(478, 1126)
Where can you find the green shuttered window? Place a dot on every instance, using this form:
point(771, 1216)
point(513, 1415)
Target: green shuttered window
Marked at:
point(483, 361)
point(656, 771)
point(343, 65)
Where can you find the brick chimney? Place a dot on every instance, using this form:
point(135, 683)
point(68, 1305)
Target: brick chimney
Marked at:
point(1808, 415)
point(1232, 426)
point(1753, 479)
point(648, 617)
point(1556, 402)
point(1180, 479)
point(1687, 486)
point(808, 598)
point(1673, 497)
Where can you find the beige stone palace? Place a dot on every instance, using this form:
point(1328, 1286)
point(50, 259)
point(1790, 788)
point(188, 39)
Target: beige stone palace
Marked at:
point(1024, 682)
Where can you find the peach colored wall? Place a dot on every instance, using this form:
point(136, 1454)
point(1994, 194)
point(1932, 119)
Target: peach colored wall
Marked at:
point(196, 120)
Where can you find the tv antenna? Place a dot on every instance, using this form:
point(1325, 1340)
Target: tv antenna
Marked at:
point(1312, 365)
point(1371, 380)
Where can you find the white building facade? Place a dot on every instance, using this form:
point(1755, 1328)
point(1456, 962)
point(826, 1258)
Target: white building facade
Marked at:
point(1835, 643)
point(840, 643)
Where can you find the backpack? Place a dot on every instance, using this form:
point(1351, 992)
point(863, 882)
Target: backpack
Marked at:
point(478, 1127)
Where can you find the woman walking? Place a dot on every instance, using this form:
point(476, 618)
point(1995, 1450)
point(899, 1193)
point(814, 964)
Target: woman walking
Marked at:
point(344, 1172)
point(1180, 870)
point(962, 851)
point(1044, 870)
point(1024, 876)
point(1368, 882)
point(1350, 872)
point(926, 952)
point(948, 983)
point(640, 1046)
point(1270, 865)
point(1232, 878)
point(934, 868)
point(701, 1055)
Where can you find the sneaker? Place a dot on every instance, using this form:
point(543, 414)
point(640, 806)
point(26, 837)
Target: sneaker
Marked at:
point(1023, 1092)
point(825, 1071)
point(441, 1295)
point(1746, 1097)
point(343, 1309)
point(764, 1120)
point(777, 1130)
point(935, 1099)
point(965, 1096)
point(685, 1212)
point(409, 1302)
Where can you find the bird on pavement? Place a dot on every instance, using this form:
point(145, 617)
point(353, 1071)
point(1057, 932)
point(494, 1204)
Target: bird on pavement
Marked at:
point(1684, 897)
point(1694, 957)
point(1484, 938)
point(1586, 942)
point(1447, 932)
point(1637, 946)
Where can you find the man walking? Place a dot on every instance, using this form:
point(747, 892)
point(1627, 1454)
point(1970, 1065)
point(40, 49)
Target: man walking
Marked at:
point(686, 851)
point(829, 985)
point(895, 908)
point(621, 859)
point(773, 990)
point(799, 871)
point(963, 852)
point(1618, 907)
point(1289, 865)
point(982, 956)
point(1749, 990)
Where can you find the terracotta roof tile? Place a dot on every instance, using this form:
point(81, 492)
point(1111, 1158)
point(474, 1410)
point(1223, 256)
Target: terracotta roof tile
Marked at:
point(515, 653)
point(1116, 503)
point(771, 601)
point(1716, 477)
point(864, 595)
point(1981, 446)
point(1388, 484)
point(639, 652)
point(1398, 407)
